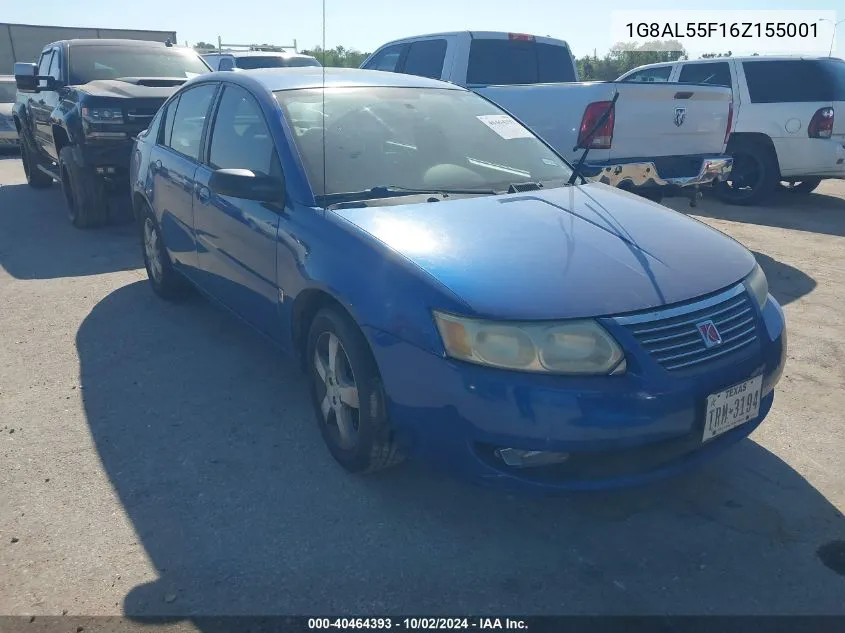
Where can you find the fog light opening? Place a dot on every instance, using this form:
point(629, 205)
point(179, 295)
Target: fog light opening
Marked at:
point(517, 458)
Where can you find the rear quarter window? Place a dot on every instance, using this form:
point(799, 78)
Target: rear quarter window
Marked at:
point(795, 81)
point(509, 62)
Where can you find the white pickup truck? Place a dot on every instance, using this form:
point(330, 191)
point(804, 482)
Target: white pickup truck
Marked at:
point(785, 126)
point(660, 139)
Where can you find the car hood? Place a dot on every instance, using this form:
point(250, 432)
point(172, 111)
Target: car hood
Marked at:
point(570, 252)
point(6, 109)
point(126, 89)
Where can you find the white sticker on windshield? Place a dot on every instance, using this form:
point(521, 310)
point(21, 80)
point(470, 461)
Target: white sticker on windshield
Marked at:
point(191, 75)
point(504, 125)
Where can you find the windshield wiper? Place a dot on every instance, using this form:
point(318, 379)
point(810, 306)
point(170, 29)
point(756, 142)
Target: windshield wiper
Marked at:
point(394, 191)
point(588, 139)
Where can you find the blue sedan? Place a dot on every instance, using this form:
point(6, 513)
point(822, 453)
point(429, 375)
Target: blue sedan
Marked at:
point(452, 293)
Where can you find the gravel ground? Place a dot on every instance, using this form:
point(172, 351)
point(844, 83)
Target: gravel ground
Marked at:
point(160, 459)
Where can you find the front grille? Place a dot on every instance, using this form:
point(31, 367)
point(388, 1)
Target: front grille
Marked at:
point(672, 338)
point(141, 114)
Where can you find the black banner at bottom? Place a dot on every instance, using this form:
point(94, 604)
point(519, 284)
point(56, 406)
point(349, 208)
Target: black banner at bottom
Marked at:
point(534, 624)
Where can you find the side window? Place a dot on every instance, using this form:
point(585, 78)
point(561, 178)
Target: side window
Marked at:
point(387, 59)
point(648, 75)
point(166, 129)
point(226, 63)
point(189, 120)
point(716, 74)
point(426, 58)
point(240, 138)
point(44, 67)
point(55, 70)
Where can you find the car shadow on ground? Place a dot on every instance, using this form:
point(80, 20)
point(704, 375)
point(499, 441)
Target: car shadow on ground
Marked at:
point(815, 212)
point(207, 437)
point(37, 241)
point(786, 283)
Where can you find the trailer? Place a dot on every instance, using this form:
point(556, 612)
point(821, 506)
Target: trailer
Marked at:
point(24, 42)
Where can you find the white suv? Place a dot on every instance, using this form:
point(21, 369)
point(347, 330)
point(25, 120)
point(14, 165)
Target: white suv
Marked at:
point(785, 128)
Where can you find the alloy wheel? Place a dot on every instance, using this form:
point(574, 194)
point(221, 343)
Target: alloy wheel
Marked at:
point(337, 391)
point(151, 249)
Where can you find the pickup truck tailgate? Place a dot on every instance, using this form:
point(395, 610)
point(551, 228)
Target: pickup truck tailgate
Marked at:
point(651, 119)
point(670, 119)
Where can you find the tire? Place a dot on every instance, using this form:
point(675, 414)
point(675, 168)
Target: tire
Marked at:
point(754, 177)
point(802, 186)
point(35, 178)
point(85, 194)
point(166, 282)
point(367, 444)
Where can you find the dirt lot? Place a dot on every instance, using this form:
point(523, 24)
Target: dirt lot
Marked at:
point(160, 459)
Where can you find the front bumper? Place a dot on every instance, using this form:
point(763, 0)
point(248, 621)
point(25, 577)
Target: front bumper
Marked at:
point(669, 172)
point(619, 430)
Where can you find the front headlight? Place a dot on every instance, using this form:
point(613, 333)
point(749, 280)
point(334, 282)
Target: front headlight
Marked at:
point(758, 285)
point(102, 115)
point(569, 347)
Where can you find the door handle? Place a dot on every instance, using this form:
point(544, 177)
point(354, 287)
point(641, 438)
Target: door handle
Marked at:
point(203, 193)
point(156, 166)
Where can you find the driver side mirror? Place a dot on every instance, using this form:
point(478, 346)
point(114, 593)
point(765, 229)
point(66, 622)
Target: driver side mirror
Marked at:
point(247, 185)
point(26, 77)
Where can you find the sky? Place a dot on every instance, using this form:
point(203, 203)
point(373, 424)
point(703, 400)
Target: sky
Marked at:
point(366, 24)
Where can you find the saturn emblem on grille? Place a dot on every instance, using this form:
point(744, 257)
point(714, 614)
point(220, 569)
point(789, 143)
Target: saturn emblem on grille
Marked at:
point(709, 333)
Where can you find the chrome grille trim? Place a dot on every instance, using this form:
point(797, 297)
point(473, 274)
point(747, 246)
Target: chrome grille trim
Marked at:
point(672, 340)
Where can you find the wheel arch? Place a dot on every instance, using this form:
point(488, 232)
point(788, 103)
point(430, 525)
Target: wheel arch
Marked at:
point(757, 138)
point(306, 305)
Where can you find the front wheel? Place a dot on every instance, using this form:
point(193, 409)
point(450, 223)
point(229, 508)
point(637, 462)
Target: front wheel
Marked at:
point(85, 193)
point(808, 185)
point(35, 178)
point(348, 395)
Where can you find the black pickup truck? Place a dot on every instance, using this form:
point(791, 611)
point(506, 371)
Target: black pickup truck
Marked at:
point(80, 107)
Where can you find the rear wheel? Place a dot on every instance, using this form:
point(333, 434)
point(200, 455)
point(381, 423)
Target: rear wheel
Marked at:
point(348, 396)
point(754, 175)
point(802, 186)
point(85, 194)
point(35, 178)
point(165, 281)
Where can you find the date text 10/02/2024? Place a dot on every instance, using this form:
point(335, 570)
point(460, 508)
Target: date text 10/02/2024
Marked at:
point(682, 30)
point(482, 624)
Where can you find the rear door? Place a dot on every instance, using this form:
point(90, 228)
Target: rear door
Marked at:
point(173, 162)
point(236, 238)
point(780, 97)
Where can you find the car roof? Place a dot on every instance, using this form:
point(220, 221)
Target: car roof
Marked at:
point(744, 58)
point(275, 79)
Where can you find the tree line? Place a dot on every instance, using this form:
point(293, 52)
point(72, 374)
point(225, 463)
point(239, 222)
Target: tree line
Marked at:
point(620, 59)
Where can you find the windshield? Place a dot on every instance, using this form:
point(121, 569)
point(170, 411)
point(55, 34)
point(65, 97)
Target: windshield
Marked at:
point(270, 61)
point(90, 63)
point(8, 90)
point(414, 138)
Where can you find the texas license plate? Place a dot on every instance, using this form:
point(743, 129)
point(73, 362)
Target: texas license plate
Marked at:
point(728, 409)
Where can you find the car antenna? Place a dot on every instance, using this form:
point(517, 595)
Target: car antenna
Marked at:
point(602, 119)
point(323, 118)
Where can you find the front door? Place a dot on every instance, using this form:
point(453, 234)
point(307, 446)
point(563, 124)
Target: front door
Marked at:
point(38, 109)
point(174, 163)
point(236, 238)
